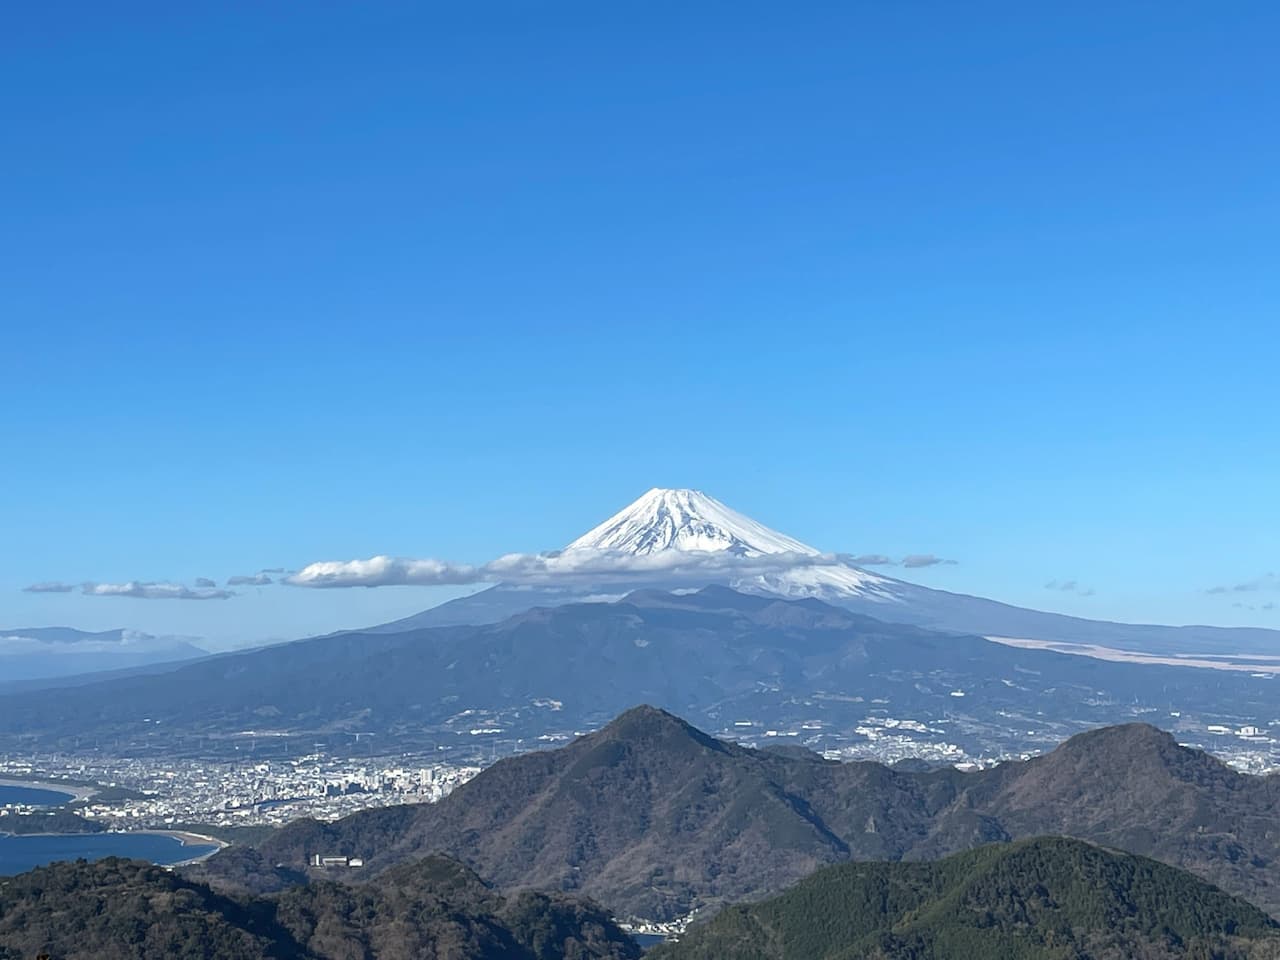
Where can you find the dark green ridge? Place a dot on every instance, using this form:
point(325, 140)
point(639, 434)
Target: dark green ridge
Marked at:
point(1039, 899)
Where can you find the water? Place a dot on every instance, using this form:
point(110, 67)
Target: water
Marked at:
point(32, 796)
point(20, 854)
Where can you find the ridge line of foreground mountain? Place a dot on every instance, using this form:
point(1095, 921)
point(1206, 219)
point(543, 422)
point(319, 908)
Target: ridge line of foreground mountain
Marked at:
point(433, 909)
point(653, 818)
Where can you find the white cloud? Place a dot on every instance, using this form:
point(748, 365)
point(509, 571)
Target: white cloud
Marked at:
point(151, 590)
point(383, 572)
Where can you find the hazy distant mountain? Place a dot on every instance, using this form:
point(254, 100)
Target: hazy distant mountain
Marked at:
point(31, 653)
point(434, 909)
point(1042, 899)
point(674, 536)
point(652, 817)
point(717, 656)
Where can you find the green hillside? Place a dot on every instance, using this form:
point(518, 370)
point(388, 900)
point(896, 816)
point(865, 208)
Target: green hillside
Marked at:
point(1041, 899)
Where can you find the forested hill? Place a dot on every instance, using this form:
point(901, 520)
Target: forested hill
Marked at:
point(651, 817)
point(1043, 899)
point(434, 909)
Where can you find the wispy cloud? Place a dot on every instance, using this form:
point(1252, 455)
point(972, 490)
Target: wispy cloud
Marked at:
point(1070, 586)
point(918, 560)
point(250, 580)
point(871, 560)
point(912, 561)
point(74, 643)
point(1268, 581)
point(205, 582)
point(50, 587)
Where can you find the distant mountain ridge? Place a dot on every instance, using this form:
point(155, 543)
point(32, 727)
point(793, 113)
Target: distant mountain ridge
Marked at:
point(1041, 899)
point(670, 524)
point(652, 817)
point(45, 653)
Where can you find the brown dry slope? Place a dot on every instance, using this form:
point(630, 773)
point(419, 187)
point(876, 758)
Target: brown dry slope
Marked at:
point(652, 817)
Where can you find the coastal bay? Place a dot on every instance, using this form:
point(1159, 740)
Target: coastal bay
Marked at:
point(21, 853)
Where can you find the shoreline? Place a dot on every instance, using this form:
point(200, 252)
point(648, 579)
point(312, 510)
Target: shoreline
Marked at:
point(74, 793)
point(187, 839)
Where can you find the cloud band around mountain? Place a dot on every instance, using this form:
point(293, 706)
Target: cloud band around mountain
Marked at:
point(541, 568)
point(566, 566)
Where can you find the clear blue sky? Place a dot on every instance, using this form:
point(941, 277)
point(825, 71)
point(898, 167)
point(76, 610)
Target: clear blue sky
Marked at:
point(284, 282)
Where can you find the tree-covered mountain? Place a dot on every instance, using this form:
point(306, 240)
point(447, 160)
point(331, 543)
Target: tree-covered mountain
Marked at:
point(1041, 899)
point(714, 656)
point(433, 909)
point(652, 817)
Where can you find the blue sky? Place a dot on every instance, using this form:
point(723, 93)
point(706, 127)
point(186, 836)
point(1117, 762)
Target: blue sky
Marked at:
point(288, 282)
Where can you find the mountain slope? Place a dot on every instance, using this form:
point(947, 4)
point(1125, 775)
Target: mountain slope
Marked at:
point(434, 909)
point(664, 527)
point(648, 812)
point(715, 656)
point(654, 818)
point(1040, 899)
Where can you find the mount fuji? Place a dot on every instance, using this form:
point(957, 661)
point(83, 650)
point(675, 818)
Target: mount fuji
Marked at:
point(692, 526)
point(686, 520)
point(685, 539)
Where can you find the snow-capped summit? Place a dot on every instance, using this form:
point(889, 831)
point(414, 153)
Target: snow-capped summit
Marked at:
point(665, 525)
point(685, 520)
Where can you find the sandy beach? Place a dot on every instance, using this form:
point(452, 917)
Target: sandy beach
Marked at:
point(1253, 664)
point(76, 793)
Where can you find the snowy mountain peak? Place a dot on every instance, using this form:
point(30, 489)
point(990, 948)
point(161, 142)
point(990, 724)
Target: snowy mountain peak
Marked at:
point(685, 520)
